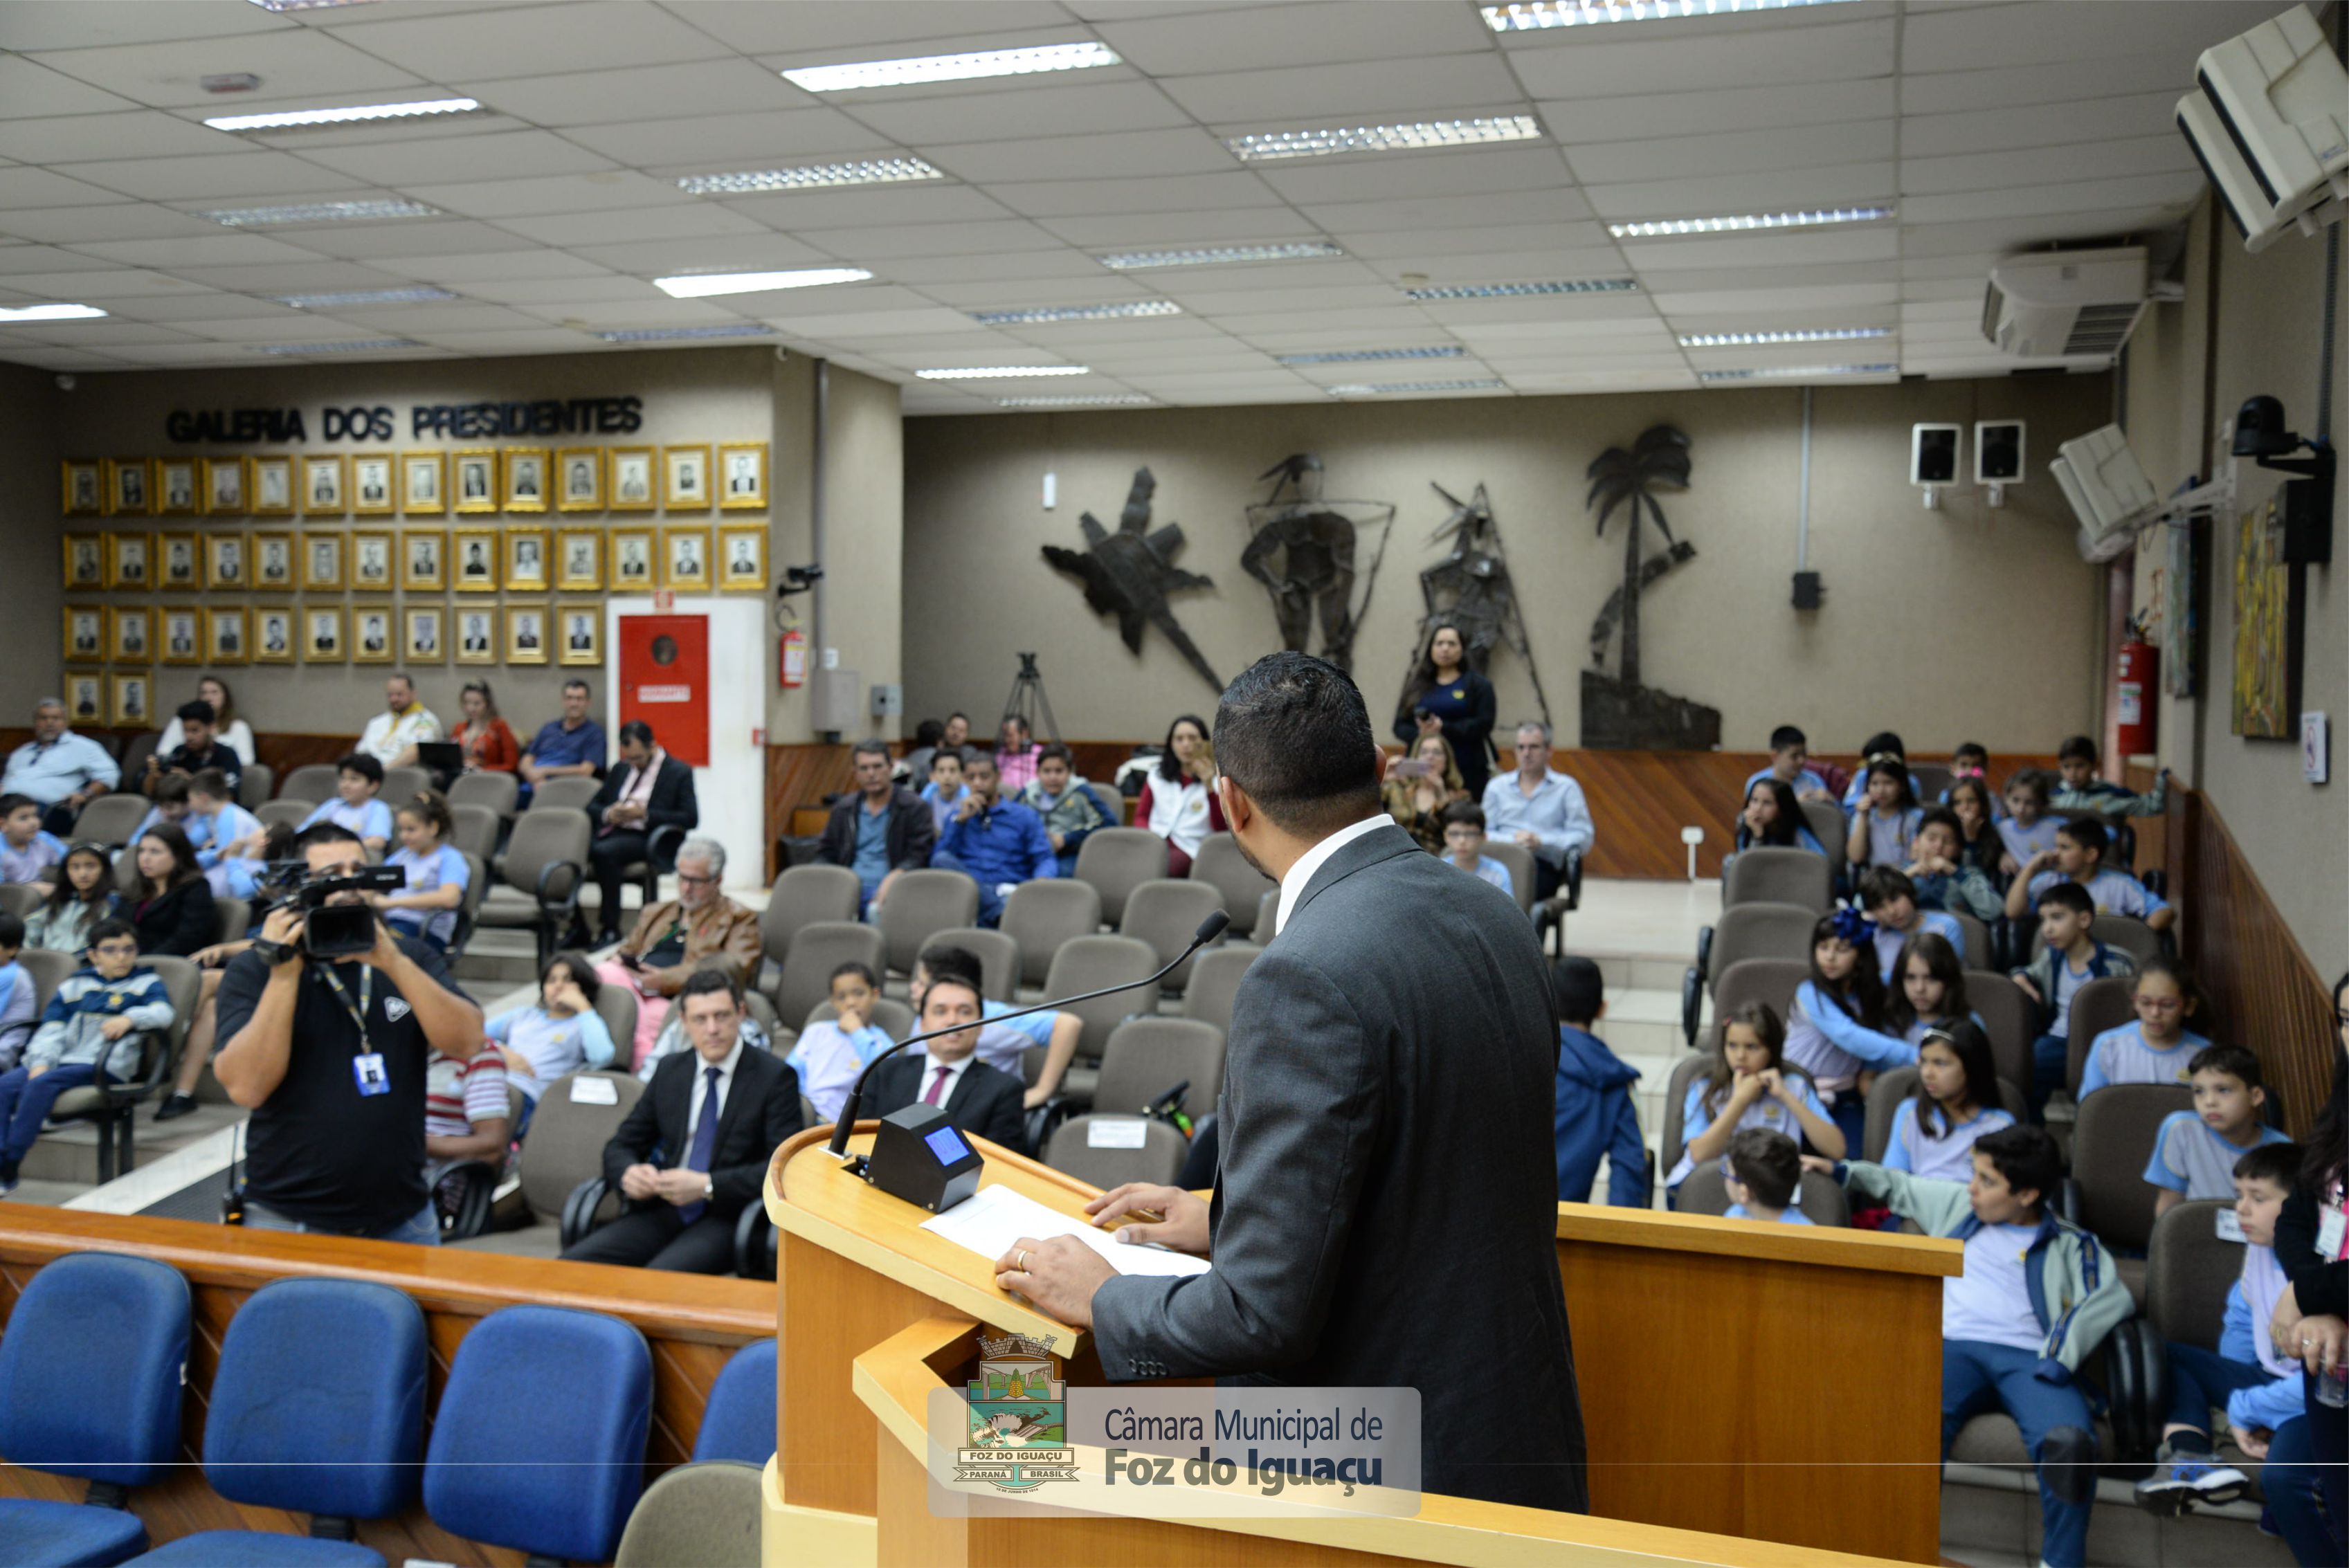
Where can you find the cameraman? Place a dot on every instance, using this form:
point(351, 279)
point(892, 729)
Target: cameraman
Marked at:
point(336, 1140)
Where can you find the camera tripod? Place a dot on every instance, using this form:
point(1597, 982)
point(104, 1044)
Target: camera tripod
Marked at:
point(1028, 701)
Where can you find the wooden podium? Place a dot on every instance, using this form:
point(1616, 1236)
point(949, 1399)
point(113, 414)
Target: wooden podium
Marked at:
point(1708, 1351)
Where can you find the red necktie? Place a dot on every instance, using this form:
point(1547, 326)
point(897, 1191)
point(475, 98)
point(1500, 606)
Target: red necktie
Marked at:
point(938, 1086)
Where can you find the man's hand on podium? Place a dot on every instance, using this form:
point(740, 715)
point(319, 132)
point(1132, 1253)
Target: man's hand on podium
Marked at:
point(1173, 1219)
point(1058, 1276)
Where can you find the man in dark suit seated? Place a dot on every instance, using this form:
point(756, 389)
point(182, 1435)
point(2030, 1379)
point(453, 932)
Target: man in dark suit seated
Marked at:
point(981, 1100)
point(648, 791)
point(716, 1113)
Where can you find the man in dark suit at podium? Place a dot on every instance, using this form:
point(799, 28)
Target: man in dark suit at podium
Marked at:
point(984, 1102)
point(1385, 1212)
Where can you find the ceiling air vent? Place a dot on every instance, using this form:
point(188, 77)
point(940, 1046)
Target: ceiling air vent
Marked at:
point(2065, 304)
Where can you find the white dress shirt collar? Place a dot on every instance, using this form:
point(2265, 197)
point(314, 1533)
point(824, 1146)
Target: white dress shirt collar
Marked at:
point(955, 1069)
point(701, 1090)
point(1292, 886)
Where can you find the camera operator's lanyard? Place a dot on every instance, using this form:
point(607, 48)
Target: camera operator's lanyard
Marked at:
point(366, 1066)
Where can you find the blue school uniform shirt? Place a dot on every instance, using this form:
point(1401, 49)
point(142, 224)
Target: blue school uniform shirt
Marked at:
point(371, 820)
point(1489, 870)
point(1855, 794)
point(32, 862)
point(1696, 1118)
point(230, 823)
point(2116, 893)
point(2251, 1302)
point(1788, 1216)
point(1001, 1045)
point(444, 867)
point(1888, 837)
point(942, 806)
point(1806, 782)
point(1832, 1046)
point(1888, 941)
point(2191, 1157)
point(2022, 842)
point(1948, 1157)
point(554, 1047)
point(2121, 1055)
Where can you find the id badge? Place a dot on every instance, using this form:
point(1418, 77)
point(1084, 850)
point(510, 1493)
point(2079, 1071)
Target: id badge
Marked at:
point(2329, 1233)
point(368, 1069)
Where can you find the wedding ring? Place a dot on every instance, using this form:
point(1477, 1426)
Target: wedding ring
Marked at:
point(1021, 1262)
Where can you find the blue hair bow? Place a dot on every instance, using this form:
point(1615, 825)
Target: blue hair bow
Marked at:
point(1854, 927)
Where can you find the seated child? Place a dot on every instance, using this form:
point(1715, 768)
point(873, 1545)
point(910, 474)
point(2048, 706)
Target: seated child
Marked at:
point(1930, 989)
point(357, 780)
point(90, 1028)
point(2079, 789)
point(2069, 958)
point(2079, 857)
point(1889, 899)
point(1944, 877)
point(1836, 1031)
point(1750, 1086)
point(2196, 1152)
point(829, 1054)
point(27, 853)
point(561, 1034)
point(2258, 1386)
point(464, 1111)
point(17, 1013)
point(2159, 1048)
point(1464, 844)
point(946, 789)
point(1956, 1104)
point(1072, 812)
point(1883, 746)
point(1766, 1173)
point(170, 794)
point(2037, 1297)
point(1595, 1115)
point(2026, 831)
point(1774, 818)
point(437, 876)
point(1790, 756)
point(1975, 811)
point(1970, 760)
point(1887, 817)
point(221, 831)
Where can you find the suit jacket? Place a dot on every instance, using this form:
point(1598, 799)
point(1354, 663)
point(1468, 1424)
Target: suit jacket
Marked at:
point(984, 1102)
point(762, 1109)
point(723, 930)
point(913, 830)
point(672, 804)
point(1385, 1213)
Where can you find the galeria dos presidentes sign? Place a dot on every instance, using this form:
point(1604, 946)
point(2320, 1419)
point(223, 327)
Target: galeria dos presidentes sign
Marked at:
point(380, 422)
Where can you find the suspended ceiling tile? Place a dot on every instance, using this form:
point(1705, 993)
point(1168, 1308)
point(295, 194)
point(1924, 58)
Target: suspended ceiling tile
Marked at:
point(2046, 165)
point(1165, 193)
point(1312, 35)
point(2160, 194)
point(30, 25)
point(168, 74)
point(718, 143)
point(496, 198)
point(193, 303)
point(1476, 210)
point(362, 241)
point(602, 287)
point(1367, 320)
point(81, 138)
point(582, 36)
point(1221, 304)
point(1790, 298)
point(644, 92)
point(1465, 314)
point(1929, 136)
point(520, 340)
point(29, 89)
point(935, 324)
point(1281, 97)
point(1989, 36)
point(704, 220)
point(225, 248)
point(233, 176)
point(25, 186)
point(1078, 107)
point(40, 259)
point(1733, 152)
point(1444, 172)
point(796, 211)
point(294, 277)
point(122, 220)
point(482, 265)
point(1435, 267)
point(1154, 231)
point(1800, 247)
point(855, 24)
point(1931, 92)
point(1741, 58)
point(1020, 264)
point(1844, 185)
point(1478, 239)
point(1104, 287)
point(510, 155)
point(421, 320)
point(726, 253)
point(1127, 155)
point(1579, 123)
point(880, 245)
point(657, 311)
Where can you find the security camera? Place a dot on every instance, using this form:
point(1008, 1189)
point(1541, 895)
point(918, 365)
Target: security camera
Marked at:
point(799, 580)
point(2260, 436)
point(2260, 429)
point(66, 382)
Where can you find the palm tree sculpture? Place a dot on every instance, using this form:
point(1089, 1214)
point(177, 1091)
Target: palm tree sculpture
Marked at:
point(1658, 460)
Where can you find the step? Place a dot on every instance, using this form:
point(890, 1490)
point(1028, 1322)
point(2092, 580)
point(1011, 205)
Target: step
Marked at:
point(500, 957)
point(68, 1152)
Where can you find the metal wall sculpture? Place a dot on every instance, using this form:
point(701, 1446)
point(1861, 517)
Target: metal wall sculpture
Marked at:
point(1129, 573)
point(1617, 712)
point(1470, 588)
point(1315, 542)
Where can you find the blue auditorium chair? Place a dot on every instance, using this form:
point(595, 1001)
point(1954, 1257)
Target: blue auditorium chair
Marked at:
point(738, 1422)
point(539, 1441)
point(90, 1375)
point(318, 1408)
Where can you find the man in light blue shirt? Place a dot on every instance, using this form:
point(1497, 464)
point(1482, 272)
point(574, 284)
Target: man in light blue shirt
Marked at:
point(1540, 810)
point(62, 770)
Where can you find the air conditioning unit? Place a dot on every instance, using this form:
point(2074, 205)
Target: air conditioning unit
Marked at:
point(2065, 304)
point(2109, 489)
point(2269, 122)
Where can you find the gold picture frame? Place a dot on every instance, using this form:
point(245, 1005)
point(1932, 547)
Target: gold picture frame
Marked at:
point(742, 558)
point(86, 697)
point(273, 565)
point(632, 479)
point(81, 486)
point(524, 479)
point(742, 476)
point(326, 484)
point(270, 487)
point(179, 560)
point(130, 486)
point(85, 634)
point(228, 559)
point(685, 560)
point(475, 636)
point(375, 564)
point(374, 633)
point(323, 559)
point(634, 560)
point(228, 634)
point(181, 633)
point(130, 634)
point(424, 560)
point(684, 478)
point(529, 629)
point(375, 484)
point(321, 634)
point(226, 488)
point(579, 634)
point(472, 559)
point(130, 560)
point(85, 561)
point(579, 559)
point(272, 635)
point(525, 565)
point(133, 704)
point(175, 487)
point(423, 483)
point(426, 634)
point(579, 479)
point(473, 478)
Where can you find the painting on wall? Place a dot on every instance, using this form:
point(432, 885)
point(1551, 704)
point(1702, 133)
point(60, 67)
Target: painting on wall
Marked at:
point(2182, 635)
point(2262, 630)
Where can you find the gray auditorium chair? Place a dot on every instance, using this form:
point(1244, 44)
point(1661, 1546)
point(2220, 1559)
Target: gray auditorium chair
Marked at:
point(2106, 1191)
point(312, 781)
point(255, 783)
point(1706, 1192)
point(2125, 932)
point(617, 1005)
point(1089, 963)
point(49, 970)
point(566, 1146)
point(485, 787)
point(2100, 1005)
point(135, 753)
point(110, 818)
point(1673, 1137)
point(1975, 953)
point(20, 899)
point(707, 1514)
point(1116, 861)
point(235, 918)
point(1215, 981)
point(401, 785)
point(1148, 1055)
point(1095, 1149)
point(286, 809)
point(1220, 864)
point(478, 877)
point(817, 949)
point(1768, 874)
point(891, 1016)
point(802, 896)
point(1041, 915)
point(1884, 1097)
point(997, 956)
point(1521, 875)
point(1771, 981)
point(571, 792)
point(1833, 830)
point(540, 876)
point(476, 831)
point(921, 905)
point(1267, 917)
point(1746, 931)
point(1167, 913)
point(1932, 779)
point(2009, 1018)
point(113, 1107)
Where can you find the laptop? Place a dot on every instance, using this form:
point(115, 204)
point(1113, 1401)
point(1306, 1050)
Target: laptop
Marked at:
point(444, 756)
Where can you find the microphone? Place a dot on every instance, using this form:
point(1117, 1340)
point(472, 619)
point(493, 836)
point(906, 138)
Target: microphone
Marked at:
point(1209, 929)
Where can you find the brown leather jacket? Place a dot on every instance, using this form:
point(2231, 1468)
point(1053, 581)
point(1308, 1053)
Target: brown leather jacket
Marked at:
point(723, 929)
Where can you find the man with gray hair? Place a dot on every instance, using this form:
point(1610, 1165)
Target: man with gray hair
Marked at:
point(59, 770)
point(672, 938)
point(879, 829)
point(1540, 810)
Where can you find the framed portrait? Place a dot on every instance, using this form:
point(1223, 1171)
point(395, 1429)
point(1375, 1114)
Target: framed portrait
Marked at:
point(579, 479)
point(321, 634)
point(579, 631)
point(526, 633)
point(86, 697)
point(224, 487)
point(629, 479)
point(85, 634)
point(372, 492)
point(473, 559)
point(742, 476)
point(372, 568)
point(130, 492)
point(183, 634)
point(423, 560)
point(632, 561)
point(743, 556)
point(325, 486)
point(322, 561)
point(128, 563)
point(134, 699)
point(271, 486)
point(130, 634)
point(181, 562)
point(80, 494)
point(175, 487)
point(684, 478)
point(477, 635)
point(272, 635)
point(228, 634)
point(423, 488)
point(526, 560)
point(427, 640)
point(375, 635)
point(273, 562)
point(473, 478)
point(684, 559)
point(579, 559)
point(85, 561)
point(525, 476)
point(227, 562)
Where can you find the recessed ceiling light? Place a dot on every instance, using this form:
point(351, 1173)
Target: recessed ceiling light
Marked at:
point(1514, 290)
point(811, 177)
point(1739, 223)
point(702, 285)
point(1356, 391)
point(1042, 315)
point(417, 295)
point(1257, 147)
point(1525, 18)
point(950, 67)
point(1001, 372)
point(319, 212)
point(1099, 400)
point(1784, 372)
point(685, 333)
point(357, 346)
point(50, 312)
point(282, 120)
point(1297, 251)
point(1805, 335)
point(1351, 355)
point(306, 5)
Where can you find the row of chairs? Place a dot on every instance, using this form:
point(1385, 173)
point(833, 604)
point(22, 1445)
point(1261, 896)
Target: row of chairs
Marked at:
point(537, 1443)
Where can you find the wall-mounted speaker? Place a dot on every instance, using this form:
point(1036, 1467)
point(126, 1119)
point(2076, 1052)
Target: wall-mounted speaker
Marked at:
point(1998, 451)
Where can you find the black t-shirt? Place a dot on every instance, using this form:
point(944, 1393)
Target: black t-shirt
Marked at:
point(187, 759)
point(316, 1150)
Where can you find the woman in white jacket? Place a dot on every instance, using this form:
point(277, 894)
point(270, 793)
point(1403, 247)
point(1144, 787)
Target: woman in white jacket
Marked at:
point(1178, 800)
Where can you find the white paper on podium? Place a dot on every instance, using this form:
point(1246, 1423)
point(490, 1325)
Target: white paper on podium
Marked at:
point(990, 1221)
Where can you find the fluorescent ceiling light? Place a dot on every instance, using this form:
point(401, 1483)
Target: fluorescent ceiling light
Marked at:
point(1001, 372)
point(1514, 291)
point(49, 312)
point(1099, 400)
point(1785, 372)
point(1044, 314)
point(357, 346)
point(416, 295)
point(1540, 14)
point(1257, 147)
point(306, 5)
point(702, 285)
point(1756, 339)
point(811, 177)
point(685, 333)
point(1652, 228)
point(1353, 356)
point(950, 67)
point(282, 119)
point(1295, 251)
point(319, 212)
point(1353, 390)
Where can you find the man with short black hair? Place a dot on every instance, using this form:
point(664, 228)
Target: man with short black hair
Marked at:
point(981, 1100)
point(880, 830)
point(200, 747)
point(999, 843)
point(649, 792)
point(572, 747)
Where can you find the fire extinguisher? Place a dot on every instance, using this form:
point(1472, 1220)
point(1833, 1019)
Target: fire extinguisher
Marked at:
point(790, 659)
point(2133, 706)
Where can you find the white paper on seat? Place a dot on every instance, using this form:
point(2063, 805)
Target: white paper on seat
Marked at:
point(588, 1089)
point(993, 1220)
point(1117, 1132)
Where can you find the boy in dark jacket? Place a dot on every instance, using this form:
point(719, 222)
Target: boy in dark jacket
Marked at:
point(1595, 1115)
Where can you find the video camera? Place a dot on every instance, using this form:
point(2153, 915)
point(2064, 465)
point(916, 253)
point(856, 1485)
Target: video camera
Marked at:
point(331, 929)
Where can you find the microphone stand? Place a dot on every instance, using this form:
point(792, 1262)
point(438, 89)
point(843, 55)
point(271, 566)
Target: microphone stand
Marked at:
point(1209, 929)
